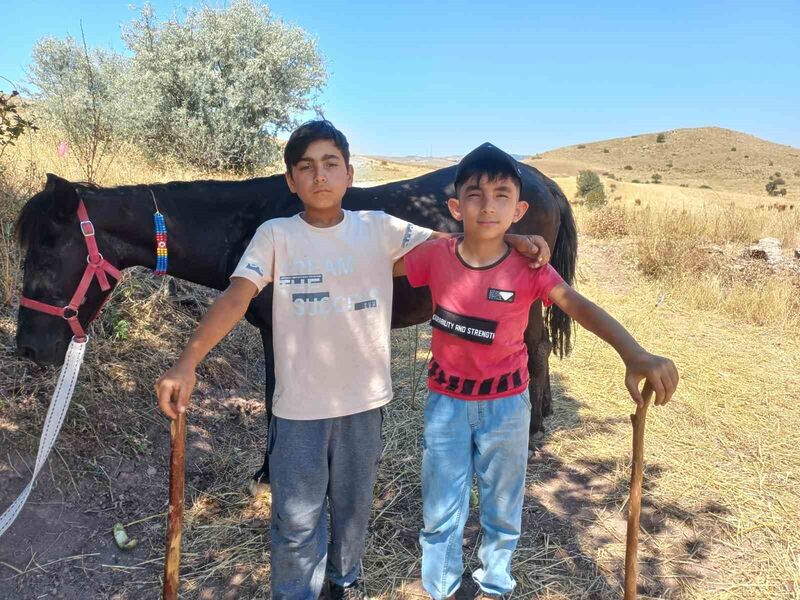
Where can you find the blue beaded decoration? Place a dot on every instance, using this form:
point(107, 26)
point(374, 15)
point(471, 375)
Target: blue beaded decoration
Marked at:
point(161, 243)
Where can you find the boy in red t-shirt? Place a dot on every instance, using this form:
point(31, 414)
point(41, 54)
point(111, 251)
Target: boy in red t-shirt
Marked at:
point(478, 410)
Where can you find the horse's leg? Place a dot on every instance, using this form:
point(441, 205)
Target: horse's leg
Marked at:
point(539, 348)
point(260, 482)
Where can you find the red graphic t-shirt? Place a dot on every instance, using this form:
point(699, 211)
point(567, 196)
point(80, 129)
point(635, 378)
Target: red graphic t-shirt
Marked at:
point(479, 320)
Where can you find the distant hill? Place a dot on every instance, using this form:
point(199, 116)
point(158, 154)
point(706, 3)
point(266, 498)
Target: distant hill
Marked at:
point(726, 160)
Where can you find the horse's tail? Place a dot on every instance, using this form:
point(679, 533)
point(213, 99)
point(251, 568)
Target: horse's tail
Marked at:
point(563, 260)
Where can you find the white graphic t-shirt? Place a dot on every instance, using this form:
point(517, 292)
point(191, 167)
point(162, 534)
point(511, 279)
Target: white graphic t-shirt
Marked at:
point(332, 308)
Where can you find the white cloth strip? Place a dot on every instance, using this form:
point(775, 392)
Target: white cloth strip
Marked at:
point(62, 395)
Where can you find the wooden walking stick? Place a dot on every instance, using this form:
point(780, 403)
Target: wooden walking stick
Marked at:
point(635, 501)
point(177, 472)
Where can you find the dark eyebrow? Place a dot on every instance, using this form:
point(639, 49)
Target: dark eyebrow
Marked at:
point(503, 188)
point(472, 188)
point(324, 158)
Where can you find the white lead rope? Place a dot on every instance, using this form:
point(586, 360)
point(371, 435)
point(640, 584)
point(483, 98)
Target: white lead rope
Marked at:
point(62, 396)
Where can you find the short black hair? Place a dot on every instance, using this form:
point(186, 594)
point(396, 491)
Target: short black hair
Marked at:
point(493, 168)
point(310, 132)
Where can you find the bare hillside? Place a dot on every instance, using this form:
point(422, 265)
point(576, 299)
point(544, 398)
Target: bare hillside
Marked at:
point(723, 159)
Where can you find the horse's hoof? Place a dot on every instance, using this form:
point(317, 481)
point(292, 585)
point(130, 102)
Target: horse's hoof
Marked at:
point(536, 438)
point(257, 488)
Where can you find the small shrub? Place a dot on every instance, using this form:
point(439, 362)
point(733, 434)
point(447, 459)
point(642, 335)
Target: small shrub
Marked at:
point(733, 149)
point(777, 174)
point(684, 185)
point(776, 186)
point(746, 156)
point(656, 178)
point(705, 187)
point(587, 181)
point(635, 181)
point(661, 138)
point(581, 146)
point(12, 124)
point(596, 198)
point(605, 150)
point(628, 168)
point(669, 165)
point(770, 163)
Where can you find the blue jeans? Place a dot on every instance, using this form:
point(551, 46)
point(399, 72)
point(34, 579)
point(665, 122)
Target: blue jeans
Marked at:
point(462, 437)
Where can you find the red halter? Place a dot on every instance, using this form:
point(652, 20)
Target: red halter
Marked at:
point(96, 266)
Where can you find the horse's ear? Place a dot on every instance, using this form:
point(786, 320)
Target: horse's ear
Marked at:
point(51, 182)
point(65, 197)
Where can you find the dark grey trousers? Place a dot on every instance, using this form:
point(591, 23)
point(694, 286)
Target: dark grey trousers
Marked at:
point(317, 467)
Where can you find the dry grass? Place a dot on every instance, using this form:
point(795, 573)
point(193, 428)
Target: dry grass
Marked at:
point(701, 256)
point(721, 505)
point(690, 157)
point(722, 470)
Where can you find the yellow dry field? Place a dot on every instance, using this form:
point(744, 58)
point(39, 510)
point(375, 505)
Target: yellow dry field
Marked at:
point(721, 505)
point(722, 502)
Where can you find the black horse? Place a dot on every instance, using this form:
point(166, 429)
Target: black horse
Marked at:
point(210, 224)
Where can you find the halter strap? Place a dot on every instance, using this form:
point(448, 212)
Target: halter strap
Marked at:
point(96, 266)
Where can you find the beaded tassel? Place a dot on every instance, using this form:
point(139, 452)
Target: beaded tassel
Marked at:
point(161, 243)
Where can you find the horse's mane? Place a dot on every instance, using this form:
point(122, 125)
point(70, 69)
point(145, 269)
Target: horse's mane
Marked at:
point(36, 213)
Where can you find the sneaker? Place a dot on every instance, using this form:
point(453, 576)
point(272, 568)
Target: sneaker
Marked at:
point(354, 591)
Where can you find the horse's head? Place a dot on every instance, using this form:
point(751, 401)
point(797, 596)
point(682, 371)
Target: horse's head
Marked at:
point(49, 233)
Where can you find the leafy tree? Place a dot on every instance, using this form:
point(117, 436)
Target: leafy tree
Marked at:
point(596, 198)
point(215, 89)
point(212, 90)
point(776, 186)
point(590, 187)
point(79, 90)
point(12, 124)
point(587, 181)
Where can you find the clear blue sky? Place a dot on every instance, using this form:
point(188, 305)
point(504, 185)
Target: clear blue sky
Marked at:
point(442, 77)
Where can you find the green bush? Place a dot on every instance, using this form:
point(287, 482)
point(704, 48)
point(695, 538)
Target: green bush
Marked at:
point(212, 90)
point(81, 91)
point(587, 181)
point(628, 168)
point(605, 150)
point(12, 124)
point(596, 198)
point(776, 186)
point(591, 188)
point(656, 178)
point(661, 138)
point(581, 146)
point(733, 149)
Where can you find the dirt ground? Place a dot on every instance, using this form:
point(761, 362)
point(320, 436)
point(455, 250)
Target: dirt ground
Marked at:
point(719, 513)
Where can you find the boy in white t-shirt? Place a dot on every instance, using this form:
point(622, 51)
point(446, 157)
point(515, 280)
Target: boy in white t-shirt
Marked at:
point(331, 271)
